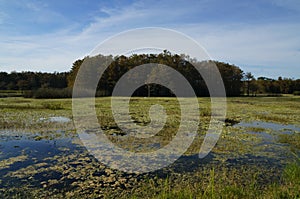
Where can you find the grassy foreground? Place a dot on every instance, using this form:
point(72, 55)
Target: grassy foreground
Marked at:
point(259, 161)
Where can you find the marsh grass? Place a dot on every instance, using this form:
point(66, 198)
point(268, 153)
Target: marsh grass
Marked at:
point(225, 187)
point(292, 173)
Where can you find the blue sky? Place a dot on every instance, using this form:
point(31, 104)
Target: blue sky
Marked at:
point(260, 36)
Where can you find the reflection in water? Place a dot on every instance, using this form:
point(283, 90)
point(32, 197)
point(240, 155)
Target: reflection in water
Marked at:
point(59, 119)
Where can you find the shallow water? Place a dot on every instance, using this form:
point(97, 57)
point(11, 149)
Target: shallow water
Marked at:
point(269, 132)
point(12, 146)
point(21, 151)
point(265, 139)
point(269, 125)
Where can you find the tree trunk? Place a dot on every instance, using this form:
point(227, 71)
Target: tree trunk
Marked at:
point(148, 88)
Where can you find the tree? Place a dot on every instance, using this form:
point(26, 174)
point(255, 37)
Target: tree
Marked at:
point(74, 70)
point(248, 77)
point(232, 76)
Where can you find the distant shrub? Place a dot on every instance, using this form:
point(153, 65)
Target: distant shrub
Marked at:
point(83, 92)
point(274, 95)
point(28, 94)
point(54, 93)
point(10, 93)
point(50, 93)
point(296, 92)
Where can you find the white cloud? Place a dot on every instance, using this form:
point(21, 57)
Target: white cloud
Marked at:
point(49, 52)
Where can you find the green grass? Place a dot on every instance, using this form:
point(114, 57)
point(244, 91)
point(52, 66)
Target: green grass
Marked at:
point(224, 188)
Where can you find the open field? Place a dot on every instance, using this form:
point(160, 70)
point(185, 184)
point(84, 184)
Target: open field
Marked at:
point(257, 155)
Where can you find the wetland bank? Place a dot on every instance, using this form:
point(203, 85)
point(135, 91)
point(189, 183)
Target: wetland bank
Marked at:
point(257, 155)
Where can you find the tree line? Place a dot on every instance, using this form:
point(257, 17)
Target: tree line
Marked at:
point(264, 85)
point(59, 85)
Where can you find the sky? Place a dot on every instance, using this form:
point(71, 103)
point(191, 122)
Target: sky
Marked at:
point(259, 36)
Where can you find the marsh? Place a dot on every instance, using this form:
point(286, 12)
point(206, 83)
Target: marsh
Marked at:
point(41, 154)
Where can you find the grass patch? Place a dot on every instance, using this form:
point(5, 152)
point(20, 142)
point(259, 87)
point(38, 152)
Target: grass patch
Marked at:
point(292, 174)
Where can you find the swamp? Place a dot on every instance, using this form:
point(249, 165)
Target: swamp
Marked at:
point(256, 156)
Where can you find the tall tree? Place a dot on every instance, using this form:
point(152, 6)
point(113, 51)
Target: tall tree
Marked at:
point(248, 77)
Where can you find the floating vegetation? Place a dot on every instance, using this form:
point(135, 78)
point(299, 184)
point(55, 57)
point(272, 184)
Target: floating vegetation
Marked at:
point(6, 163)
